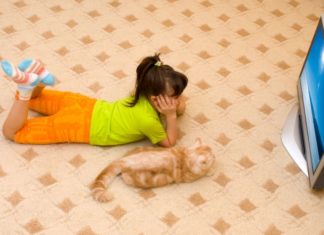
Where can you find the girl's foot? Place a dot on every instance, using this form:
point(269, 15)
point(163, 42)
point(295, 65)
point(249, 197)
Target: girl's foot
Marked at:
point(21, 78)
point(25, 81)
point(37, 67)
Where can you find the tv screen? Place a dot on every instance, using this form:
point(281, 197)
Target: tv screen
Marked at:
point(311, 94)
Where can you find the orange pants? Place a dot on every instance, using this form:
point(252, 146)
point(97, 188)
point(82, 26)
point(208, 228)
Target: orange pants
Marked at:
point(68, 119)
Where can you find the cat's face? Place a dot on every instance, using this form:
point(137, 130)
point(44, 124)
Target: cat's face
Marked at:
point(200, 158)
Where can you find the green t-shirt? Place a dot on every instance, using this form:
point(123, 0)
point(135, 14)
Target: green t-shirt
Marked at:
point(116, 123)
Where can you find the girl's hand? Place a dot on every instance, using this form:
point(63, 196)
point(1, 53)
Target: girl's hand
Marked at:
point(166, 105)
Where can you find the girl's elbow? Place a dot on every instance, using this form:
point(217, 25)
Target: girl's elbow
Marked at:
point(167, 143)
point(170, 145)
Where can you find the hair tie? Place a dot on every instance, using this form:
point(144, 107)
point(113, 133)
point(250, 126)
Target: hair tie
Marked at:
point(158, 63)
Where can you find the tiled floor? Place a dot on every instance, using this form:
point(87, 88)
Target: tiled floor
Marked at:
point(243, 59)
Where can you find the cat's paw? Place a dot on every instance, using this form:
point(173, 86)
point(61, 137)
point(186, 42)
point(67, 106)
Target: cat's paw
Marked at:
point(105, 197)
point(102, 196)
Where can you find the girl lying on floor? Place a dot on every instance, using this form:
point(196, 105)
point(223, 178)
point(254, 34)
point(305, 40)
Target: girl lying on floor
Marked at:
point(75, 118)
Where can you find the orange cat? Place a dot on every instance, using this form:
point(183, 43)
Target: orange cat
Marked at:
point(148, 167)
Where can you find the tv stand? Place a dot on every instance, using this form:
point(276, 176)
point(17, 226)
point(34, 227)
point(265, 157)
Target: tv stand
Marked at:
point(292, 139)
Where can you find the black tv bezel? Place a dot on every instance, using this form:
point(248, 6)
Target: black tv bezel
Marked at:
point(316, 178)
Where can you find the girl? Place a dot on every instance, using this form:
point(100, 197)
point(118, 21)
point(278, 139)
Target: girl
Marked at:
point(80, 119)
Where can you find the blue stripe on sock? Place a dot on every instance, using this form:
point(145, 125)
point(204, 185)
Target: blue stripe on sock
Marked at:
point(48, 80)
point(23, 65)
point(6, 67)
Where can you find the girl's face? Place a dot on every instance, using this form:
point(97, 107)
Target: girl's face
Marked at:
point(169, 92)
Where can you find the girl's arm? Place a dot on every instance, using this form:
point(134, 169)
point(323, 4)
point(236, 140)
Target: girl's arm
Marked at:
point(171, 129)
point(167, 106)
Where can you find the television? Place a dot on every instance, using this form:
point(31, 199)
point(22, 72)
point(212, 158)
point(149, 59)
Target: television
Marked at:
point(303, 133)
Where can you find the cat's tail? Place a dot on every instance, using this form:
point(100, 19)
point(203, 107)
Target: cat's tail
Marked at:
point(100, 185)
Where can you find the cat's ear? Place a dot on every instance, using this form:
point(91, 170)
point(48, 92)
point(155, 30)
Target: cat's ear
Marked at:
point(198, 142)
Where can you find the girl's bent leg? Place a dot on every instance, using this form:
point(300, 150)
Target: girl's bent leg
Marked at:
point(16, 118)
point(26, 82)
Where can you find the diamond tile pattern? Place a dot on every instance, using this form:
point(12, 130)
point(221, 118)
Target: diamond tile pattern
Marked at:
point(242, 59)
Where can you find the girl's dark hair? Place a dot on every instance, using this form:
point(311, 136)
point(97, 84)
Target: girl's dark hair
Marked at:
point(153, 77)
